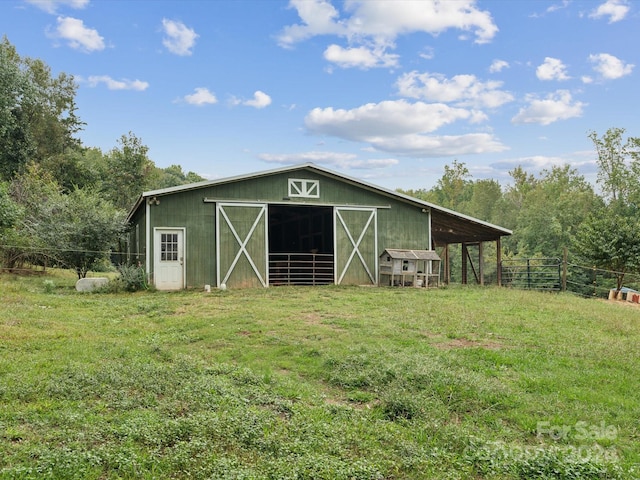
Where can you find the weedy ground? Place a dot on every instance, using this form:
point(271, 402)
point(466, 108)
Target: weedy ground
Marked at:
point(315, 383)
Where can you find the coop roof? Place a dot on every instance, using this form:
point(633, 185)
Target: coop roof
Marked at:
point(402, 254)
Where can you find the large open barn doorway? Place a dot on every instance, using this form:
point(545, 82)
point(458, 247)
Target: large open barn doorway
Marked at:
point(301, 245)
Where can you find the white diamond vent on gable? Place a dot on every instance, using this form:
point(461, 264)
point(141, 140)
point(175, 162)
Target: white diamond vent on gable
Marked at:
point(302, 188)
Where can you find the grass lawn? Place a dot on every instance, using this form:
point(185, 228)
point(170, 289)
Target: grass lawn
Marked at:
point(316, 383)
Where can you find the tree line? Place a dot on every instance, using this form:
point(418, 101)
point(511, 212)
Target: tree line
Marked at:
point(62, 202)
point(65, 203)
point(558, 208)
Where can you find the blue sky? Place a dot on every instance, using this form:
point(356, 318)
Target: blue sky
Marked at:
point(388, 91)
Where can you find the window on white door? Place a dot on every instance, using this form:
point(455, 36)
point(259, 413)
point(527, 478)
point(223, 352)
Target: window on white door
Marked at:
point(169, 247)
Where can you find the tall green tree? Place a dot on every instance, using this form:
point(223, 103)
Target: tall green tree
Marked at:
point(10, 211)
point(173, 176)
point(611, 241)
point(76, 229)
point(129, 171)
point(486, 200)
point(37, 111)
point(16, 146)
point(552, 210)
point(52, 115)
point(33, 238)
point(88, 229)
point(453, 189)
point(618, 166)
point(78, 168)
point(610, 237)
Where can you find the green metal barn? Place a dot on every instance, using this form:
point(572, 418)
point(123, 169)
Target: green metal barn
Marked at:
point(296, 225)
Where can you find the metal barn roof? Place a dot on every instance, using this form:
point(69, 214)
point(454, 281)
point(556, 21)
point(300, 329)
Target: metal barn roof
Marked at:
point(447, 226)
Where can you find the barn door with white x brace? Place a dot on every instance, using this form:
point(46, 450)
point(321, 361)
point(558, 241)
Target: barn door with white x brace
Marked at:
point(242, 251)
point(356, 257)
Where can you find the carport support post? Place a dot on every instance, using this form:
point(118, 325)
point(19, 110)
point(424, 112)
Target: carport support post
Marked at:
point(447, 265)
point(481, 263)
point(465, 256)
point(499, 260)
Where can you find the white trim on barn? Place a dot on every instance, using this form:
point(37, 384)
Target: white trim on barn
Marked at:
point(303, 188)
point(147, 240)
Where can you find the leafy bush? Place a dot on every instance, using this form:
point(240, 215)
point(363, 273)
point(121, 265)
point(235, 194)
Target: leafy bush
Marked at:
point(131, 278)
point(49, 286)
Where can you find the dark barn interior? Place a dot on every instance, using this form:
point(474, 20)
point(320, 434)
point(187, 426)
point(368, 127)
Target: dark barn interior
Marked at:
point(300, 245)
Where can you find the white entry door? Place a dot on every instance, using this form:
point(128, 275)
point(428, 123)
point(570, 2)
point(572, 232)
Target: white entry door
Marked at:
point(168, 250)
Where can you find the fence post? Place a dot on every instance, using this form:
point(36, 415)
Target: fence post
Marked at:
point(528, 273)
point(595, 279)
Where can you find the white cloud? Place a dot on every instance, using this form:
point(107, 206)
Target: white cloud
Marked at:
point(342, 160)
point(616, 10)
point(462, 90)
point(371, 27)
point(361, 57)
point(556, 7)
point(402, 127)
point(610, 67)
point(387, 118)
point(179, 39)
point(582, 160)
point(51, 6)
point(439, 146)
point(260, 100)
point(556, 106)
point(318, 18)
point(427, 53)
point(498, 66)
point(551, 9)
point(201, 96)
point(112, 84)
point(535, 163)
point(386, 20)
point(552, 69)
point(77, 35)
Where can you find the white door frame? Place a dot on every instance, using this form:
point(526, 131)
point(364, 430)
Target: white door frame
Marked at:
point(222, 214)
point(373, 217)
point(182, 236)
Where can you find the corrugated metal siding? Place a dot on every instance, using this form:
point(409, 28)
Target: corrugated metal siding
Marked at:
point(137, 238)
point(187, 210)
point(403, 226)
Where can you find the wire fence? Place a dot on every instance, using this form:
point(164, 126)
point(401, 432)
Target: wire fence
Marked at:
point(30, 259)
point(595, 282)
point(543, 274)
point(532, 273)
point(556, 274)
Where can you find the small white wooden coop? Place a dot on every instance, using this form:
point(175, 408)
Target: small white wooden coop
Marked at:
point(406, 268)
